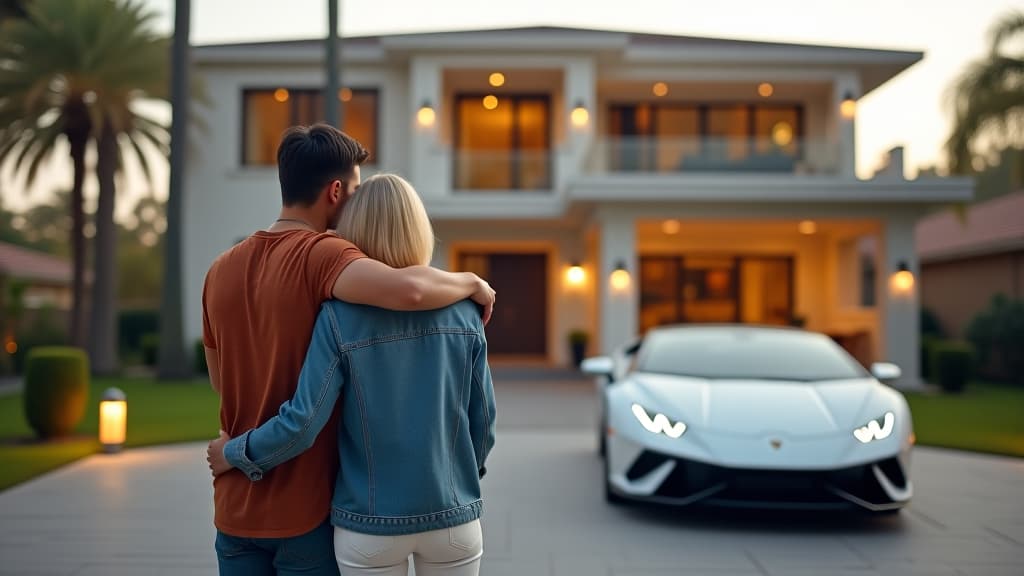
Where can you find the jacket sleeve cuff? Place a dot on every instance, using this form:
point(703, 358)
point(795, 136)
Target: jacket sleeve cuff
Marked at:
point(234, 453)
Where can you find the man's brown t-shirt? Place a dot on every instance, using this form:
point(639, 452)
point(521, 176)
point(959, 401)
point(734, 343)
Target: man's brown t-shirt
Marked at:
point(260, 302)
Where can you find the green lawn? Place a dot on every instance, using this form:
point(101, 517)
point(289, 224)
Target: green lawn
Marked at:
point(985, 418)
point(158, 413)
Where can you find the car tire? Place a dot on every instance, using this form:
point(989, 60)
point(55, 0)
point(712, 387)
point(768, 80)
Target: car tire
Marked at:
point(602, 439)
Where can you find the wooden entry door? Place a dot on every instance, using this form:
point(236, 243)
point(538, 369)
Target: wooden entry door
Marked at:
point(519, 326)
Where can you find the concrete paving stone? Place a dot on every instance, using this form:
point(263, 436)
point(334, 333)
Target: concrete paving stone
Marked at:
point(150, 511)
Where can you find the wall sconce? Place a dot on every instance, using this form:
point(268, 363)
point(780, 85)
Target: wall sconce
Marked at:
point(575, 275)
point(579, 116)
point(848, 107)
point(902, 281)
point(113, 420)
point(619, 279)
point(425, 115)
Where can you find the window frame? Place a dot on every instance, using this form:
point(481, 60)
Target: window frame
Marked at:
point(516, 97)
point(246, 91)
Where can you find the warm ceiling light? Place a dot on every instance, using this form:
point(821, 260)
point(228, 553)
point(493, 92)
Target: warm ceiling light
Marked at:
point(345, 94)
point(496, 79)
point(660, 89)
point(425, 115)
point(848, 107)
point(490, 101)
point(671, 226)
point(765, 89)
point(579, 116)
point(281, 95)
point(782, 133)
point(807, 227)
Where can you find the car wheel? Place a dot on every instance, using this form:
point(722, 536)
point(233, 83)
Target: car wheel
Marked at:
point(602, 439)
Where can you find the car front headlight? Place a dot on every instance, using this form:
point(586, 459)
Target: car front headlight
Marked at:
point(658, 423)
point(877, 429)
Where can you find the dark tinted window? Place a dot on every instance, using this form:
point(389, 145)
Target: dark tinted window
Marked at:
point(738, 353)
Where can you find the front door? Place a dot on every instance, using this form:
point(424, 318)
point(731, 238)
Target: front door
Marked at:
point(519, 325)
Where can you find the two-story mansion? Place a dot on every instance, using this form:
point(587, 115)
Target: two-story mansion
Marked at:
point(604, 181)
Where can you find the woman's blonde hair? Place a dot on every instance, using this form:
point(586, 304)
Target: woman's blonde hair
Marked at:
point(386, 219)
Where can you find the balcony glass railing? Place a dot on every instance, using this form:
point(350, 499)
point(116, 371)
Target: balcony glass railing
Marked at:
point(502, 170)
point(782, 154)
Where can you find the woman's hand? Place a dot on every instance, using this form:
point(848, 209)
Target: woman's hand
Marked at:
point(215, 455)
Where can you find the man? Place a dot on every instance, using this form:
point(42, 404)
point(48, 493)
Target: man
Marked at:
point(260, 302)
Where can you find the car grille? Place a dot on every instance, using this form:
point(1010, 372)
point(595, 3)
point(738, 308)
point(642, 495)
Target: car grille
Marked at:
point(689, 479)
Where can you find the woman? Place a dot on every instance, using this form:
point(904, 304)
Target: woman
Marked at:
point(417, 416)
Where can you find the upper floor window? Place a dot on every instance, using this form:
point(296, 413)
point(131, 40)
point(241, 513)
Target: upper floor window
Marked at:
point(705, 136)
point(502, 142)
point(267, 113)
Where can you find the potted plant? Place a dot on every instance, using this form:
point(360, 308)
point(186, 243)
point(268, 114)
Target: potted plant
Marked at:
point(578, 346)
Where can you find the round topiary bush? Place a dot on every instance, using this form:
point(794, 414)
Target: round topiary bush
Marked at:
point(56, 389)
point(952, 365)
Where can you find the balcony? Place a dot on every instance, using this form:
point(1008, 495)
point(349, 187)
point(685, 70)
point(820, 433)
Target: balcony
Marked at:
point(496, 171)
point(778, 154)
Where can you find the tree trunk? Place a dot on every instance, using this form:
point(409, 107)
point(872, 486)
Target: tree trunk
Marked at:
point(172, 363)
point(103, 328)
point(78, 136)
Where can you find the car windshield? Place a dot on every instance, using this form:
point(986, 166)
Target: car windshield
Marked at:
point(736, 353)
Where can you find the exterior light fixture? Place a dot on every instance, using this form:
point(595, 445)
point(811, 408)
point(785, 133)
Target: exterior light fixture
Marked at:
point(281, 95)
point(765, 89)
point(496, 79)
point(345, 94)
point(807, 227)
point(671, 227)
point(848, 107)
point(575, 275)
point(490, 102)
point(425, 115)
point(902, 281)
point(113, 420)
point(579, 116)
point(619, 278)
point(660, 89)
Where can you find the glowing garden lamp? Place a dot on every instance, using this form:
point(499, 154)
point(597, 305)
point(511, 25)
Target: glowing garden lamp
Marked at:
point(113, 420)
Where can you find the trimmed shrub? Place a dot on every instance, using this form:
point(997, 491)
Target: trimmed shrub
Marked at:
point(150, 346)
point(200, 363)
point(997, 334)
point(133, 325)
point(928, 344)
point(952, 365)
point(56, 389)
point(930, 324)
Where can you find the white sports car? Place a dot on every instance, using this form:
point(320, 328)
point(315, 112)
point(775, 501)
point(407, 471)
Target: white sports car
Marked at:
point(754, 417)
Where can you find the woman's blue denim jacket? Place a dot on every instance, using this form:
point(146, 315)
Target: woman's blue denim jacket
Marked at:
point(417, 416)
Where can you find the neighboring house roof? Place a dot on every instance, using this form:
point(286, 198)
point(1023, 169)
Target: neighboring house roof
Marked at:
point(875, 65)
point(991, 227)
point(24, 264)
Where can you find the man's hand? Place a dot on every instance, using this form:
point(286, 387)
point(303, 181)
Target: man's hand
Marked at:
point(215, 454)
point(484, 296)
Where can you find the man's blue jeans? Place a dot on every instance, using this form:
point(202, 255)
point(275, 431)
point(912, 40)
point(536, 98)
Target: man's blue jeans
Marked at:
point(311, 554)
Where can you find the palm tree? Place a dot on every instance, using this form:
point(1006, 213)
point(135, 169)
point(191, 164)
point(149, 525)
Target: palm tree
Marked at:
point(172, 353)
point(137, 70)
point(72, 70)
point(988, 98)
point(43, 101)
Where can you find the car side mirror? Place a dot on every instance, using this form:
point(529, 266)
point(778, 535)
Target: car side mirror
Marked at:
point(886, 371)
point(599, 366)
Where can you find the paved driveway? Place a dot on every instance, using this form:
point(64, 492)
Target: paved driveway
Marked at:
point(148, 512)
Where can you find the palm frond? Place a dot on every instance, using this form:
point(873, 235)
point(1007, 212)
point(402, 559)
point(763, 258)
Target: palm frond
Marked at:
point(996, 114)
point(1009, 26)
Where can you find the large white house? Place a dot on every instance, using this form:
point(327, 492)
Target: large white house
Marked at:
point(604, 181)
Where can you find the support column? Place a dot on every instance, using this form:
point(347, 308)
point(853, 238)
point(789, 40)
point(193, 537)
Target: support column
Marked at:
point(847, 84)
point(619, 308)
point(430, 160)
point(901, 308)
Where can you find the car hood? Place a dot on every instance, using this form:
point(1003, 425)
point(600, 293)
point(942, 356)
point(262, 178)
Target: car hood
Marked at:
point(758, 407)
